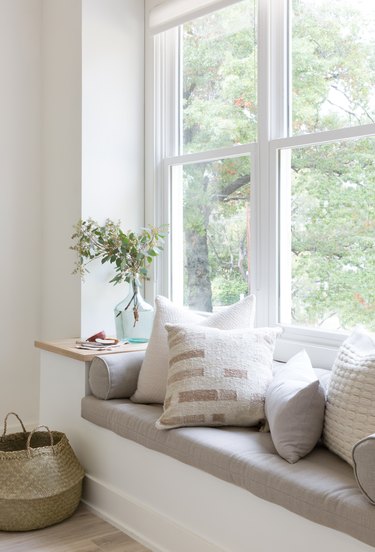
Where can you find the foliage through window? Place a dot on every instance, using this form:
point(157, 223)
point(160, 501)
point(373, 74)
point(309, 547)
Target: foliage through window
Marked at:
point(218, 70)
point(214, 229)
point(332, 184)
point(333, 64)
point(332, 273)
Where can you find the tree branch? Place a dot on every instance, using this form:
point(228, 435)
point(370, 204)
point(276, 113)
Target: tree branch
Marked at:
point(231, 188)
point(220, 259)
point(343, 109)
point(357, 104)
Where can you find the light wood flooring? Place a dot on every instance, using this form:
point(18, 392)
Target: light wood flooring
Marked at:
point(83, 532)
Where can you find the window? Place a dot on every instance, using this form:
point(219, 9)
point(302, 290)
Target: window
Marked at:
point(218, 72)
point(265, 166)
point(212, 119)
point(333, 71)
point(327, 184)
point(211, 221)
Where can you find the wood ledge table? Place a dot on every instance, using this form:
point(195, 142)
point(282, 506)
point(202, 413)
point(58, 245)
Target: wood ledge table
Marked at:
point(67, 348)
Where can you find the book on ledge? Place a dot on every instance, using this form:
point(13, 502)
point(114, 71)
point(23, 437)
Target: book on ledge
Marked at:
point(99, 344)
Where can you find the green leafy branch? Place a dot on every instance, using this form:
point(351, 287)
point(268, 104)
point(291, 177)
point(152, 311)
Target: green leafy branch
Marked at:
point(131, 253)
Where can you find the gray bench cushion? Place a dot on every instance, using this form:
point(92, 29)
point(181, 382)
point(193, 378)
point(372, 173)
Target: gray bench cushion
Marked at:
point(320, 487)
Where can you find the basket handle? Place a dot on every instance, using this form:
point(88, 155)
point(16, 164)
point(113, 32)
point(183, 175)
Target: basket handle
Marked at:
point(28, 445)
point(6, 425)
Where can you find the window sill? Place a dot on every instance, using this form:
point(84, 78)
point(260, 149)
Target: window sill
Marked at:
point(321, 346)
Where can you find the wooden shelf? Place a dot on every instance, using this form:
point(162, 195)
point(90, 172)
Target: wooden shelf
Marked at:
point(67, 347)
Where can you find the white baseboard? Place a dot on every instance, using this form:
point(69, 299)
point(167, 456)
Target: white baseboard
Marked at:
point(149, 527)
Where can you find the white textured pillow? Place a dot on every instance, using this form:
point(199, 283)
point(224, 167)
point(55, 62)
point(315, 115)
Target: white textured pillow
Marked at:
point(350, 408)
point(217, 377)
point(152, 381)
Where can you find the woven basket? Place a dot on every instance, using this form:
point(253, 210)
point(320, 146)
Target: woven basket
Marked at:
point(40, 479)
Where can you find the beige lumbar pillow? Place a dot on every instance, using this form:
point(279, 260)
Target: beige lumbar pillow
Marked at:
point(217, 377)
point(350, 407)
point(152, 381)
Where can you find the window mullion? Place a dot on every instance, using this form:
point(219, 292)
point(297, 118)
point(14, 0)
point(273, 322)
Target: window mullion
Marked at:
point(273, 85)
point(279, 115)
point(211, 155)
point(325, 136)
point(279, 69)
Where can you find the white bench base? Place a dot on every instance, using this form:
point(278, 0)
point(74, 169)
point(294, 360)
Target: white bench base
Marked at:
point(163, 503)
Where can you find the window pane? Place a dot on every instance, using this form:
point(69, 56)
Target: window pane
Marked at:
point(210, 232)
point(219, 83)
point(333, 64)
point(332, 260)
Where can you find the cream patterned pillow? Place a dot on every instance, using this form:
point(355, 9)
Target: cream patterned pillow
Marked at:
point(152, 381)
point(217, 377)
point(350, 408)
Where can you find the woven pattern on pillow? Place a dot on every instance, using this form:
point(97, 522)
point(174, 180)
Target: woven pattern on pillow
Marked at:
point(152, 381)
point(350, 408)
point(217, 377)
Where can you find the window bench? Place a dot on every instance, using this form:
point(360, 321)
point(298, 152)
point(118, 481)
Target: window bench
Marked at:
point(203, 489)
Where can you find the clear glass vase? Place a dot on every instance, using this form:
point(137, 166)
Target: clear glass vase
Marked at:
point(133, 316)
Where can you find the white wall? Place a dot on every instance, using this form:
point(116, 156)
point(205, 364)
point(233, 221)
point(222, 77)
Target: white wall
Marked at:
point(62, 115)
point(20, 208)
point(112, 137)
point(65, 110)
point(93, 149)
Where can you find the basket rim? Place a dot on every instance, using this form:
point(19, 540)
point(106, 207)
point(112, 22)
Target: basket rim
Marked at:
point(35, 451)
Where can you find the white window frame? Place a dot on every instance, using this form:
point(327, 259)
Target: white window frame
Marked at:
point(249, 150)
point(273, 138)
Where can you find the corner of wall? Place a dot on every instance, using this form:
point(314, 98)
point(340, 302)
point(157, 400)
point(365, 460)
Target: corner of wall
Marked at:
point(62, 115)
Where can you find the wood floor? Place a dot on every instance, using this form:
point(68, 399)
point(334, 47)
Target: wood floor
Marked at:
point(83, 532)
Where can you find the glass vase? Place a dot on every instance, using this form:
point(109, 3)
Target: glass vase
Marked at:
point(133, 316)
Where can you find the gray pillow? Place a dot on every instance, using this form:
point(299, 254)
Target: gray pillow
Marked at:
point(295, 402)
point(115, 376)
point(363, 454)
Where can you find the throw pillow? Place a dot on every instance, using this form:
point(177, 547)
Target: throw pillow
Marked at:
point(350, 408)
point(364, 466)
point(294, 406)
point(152, 381)
point(115, 376)
point(217, 377)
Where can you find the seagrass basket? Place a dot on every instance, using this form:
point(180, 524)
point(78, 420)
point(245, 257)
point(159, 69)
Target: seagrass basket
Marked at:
point(40, 479)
